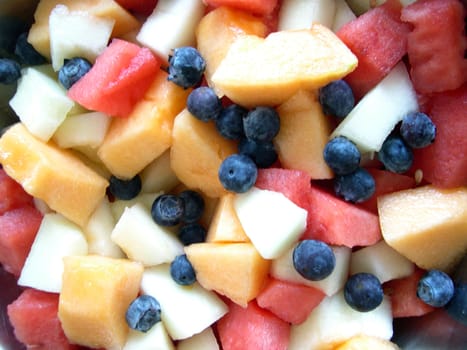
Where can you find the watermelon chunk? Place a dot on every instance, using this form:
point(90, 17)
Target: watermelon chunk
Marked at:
point(289, 301)
point(436, 44)
point(379, 40)
point(18, 228)
point(144, 8)
point(257, 7)
point(118, 79)
point(12, 195)
point(444, 162)
point(252, 328)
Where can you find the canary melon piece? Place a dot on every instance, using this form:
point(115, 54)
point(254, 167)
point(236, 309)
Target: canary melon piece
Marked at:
point(426, 224)
point(225, 226)
point(235, 270)
point(197, 152)
point(268, 71)
point(96, 293)
point(146, 132)
point(51, 174)
point(217, 31)
point(39, 35)
point(302, 117)
point(366, 342)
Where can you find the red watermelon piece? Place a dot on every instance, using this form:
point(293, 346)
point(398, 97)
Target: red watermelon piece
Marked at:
point(118, 79)
point(18, 228)
point(403, 293)
point(34, 316)
point(12, 195)
point(252, 328)
point(144, 8)
point(444, 162)
point(257, 7)
point(289, 301)
point(379, 40)
point(436, 44)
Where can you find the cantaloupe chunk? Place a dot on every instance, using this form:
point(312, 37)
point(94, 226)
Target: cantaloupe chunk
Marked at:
point(302, 117)
point(235, 270)
point(426, 224)
point(268, 71)
point(225, 226)
point(218, 29)
point(197, 152)
point(95, 295)
point(39, 35)
point(366, 342)
point(134, 142)
point(52, 174)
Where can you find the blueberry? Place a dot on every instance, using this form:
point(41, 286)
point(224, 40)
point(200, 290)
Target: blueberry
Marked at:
point(125, 189)
point(435, 288)
point(194, 205)
point(336, 99)
point(229, 122)
point(355, 187)
point(192, 233)
point(261, 124)
point(73, 70)
point(204, 104)
point(168, 210)
point(182, 271)
point(143, 313)
point(238, 173)
point(10, 71)
point(186, 67)
point(363, 292)
point(341, 155)
point(314, 260)
point(27, 53)
point(395, 154)
point(457, 306)
point(417, 130)
point(262, 153)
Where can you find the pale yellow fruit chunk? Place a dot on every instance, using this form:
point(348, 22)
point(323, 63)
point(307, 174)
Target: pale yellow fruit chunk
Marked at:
point(303, 134)
point(268, 71)
point(52, 174)
point(235, 270)
point(426, 224)
point(366, 342)
point(95, 295)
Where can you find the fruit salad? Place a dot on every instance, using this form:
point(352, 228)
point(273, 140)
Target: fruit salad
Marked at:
point(220, 174)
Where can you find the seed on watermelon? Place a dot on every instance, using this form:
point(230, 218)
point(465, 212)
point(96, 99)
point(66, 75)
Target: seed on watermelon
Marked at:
point(313, 259)
point(182, 271)
point(262, 153)
point(168, 210)
point(194, 205)
point(418, 130)
point(363, 292)
point(337, 98)
point(238, 173)
point(435, 288)
point(229, 122)
point(125, 189)
point(355, 187)
point(143, 313)
point(341, 155)
point(261, 124)
point(186, 67)
point(10, 71)
point(192, 233)
point(73, 70)
point(204, 104)
point(396, 155)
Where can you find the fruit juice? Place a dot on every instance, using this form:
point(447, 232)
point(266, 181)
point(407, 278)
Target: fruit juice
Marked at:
point(91, 162)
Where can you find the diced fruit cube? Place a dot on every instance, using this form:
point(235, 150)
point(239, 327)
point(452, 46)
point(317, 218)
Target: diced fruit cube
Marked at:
point(95, 295)
point(205, 340)
point(12, 195)
point(158, 175)
point(344, 14)
point(365, 342)
point(298, 14)
point(51, 174)
point(156, 336)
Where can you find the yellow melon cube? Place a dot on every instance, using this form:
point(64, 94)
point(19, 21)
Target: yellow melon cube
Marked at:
point(39, 36)
point(52, 174)
point(366, 342)
point(427, 225)
point(95, 295)
point(303, 135)
point(133, 142)
point(235, 270)
point(197, 152)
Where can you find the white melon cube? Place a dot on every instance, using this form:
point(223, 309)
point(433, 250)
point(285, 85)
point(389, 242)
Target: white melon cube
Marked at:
point(300, 14)
point(186, 310)
point(172, 24)
point(143, 240)
point(271, 221)
point(146, 199)
point(382, 261)
point(343, 15)
point(77, 34)
point(205, 340)
point(57, 237)
point(156, 338)
point(41, 102)
point(378, 112)
point(158, 175)
point(283, 269)
point(333, 322)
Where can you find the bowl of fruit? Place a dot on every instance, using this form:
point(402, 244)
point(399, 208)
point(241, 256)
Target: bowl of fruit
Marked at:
point(219, 174)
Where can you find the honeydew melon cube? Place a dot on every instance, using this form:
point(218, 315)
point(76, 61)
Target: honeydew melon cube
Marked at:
point(382, 261)
point(378, 112)
point(158, 175)
point(343, 15)
point(146, 199)
point(270, 220)
point(40, 102)
point(155, 338)
point(205, 340)
point(172, 24)
point(283, 269)
point(57, 237)
point(77, 34)
point(187, 310)
point(301, 14)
